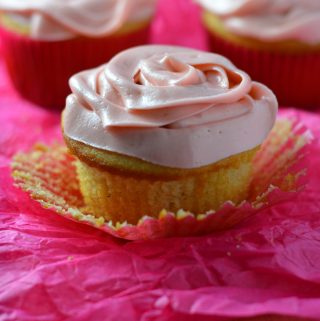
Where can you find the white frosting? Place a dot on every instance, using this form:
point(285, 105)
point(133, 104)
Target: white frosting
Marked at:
point(170, 106)
point(269, 20)
point(64, 19)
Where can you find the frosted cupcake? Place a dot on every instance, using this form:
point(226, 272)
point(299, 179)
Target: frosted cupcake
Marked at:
point(276, 42)
point(46, 42)
point(161, 127)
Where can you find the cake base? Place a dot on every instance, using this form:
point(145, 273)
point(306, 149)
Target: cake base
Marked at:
point(109, 192)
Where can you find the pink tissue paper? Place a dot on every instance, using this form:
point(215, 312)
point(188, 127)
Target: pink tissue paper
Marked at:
point(266, 268)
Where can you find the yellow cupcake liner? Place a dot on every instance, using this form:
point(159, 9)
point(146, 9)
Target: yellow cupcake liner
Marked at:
point(48, 174)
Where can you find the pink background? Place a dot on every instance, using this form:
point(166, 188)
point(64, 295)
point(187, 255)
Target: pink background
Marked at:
point(54, 269)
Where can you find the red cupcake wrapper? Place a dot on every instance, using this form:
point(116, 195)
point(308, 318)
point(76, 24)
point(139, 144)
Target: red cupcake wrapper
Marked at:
point(49, 176)
point(40, 70)
point(294, 78)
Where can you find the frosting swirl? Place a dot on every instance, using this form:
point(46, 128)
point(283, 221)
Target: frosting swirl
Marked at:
point(269, 20)
point(64, 19)
point(170, 106)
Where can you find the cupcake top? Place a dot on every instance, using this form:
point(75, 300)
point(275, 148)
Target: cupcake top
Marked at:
point(64, 19)
point(270, 20)
point(170, 106)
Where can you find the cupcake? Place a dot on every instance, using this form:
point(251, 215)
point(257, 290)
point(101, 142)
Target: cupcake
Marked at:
point(46, 42)
point(162, 127)
point(276, 42)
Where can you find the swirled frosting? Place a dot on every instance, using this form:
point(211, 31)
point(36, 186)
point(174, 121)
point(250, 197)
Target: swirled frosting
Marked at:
point(64, 19)
point(170, 106)
point(270, 20)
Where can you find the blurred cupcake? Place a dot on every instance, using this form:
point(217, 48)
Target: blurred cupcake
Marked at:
point(276, 41)
point(163, 127)
point(46, 42)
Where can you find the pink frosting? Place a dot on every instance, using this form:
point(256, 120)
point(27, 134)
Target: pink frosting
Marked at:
point(270, 20)
point(170, 106)
point(63, 19)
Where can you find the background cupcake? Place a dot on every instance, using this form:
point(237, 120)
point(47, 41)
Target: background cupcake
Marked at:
point(45, 42)
point(162, 127)
point(275, 41)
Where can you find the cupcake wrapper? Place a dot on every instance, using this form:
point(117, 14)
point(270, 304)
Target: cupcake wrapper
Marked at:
point(40, 70)
point(48, 174)
point(294, 78)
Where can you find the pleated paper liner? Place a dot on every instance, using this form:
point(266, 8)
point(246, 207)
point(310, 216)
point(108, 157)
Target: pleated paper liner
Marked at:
point(40, 70)
point(293, 77)
point(48, 174)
